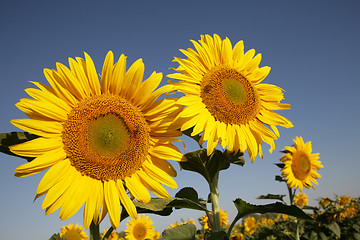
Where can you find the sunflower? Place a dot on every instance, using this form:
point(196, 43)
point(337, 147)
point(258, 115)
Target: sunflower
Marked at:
point(98, 139)
point(250, 225)
point(224, 98)
point(300, 165)
point(113, 235)
point(301, 199)
point(71, 232)
point(204, 220)
point(140, 228)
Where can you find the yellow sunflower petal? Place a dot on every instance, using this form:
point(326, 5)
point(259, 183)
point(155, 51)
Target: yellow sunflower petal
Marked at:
point(40, 163)
point(137, 189)
point(112, 199)
point(39, 127)
point(125, 200)
point(37, 146)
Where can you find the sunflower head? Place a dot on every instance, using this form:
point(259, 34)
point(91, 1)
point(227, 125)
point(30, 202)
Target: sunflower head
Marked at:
point(71, 232)
point(224, 99)
point(97, 136)
point(301, 199)
point(113, 235)
point(301, 165)
point(140, 228)
point(250, 225)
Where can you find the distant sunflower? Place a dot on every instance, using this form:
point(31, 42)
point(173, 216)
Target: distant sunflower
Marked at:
point(301, 199)
point(250, 225)
point(71, 232)
point(97, 137)
point(140, 228)
point(204, 220)
point(113, 235)
point(224, 98)
point(301, 165)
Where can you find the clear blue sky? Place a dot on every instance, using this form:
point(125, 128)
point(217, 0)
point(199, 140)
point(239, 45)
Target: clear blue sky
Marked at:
point(312, 47)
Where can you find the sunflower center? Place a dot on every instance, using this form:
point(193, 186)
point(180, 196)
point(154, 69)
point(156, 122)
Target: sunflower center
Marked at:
point(235, 91)
point(229, 97)
point(106, 137)
point(140, 231)
point(301, 166)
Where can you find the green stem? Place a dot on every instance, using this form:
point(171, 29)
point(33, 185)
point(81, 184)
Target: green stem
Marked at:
point(214, 194)
point(233, 224)
point(297, 235)
point(291, 195)
point(94, 231)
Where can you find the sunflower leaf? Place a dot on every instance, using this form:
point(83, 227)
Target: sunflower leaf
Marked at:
point(12, 138)
point(280, 165)
point(182, 232)
point(164, 206)
point(188, 193)
point(195, 163)
point(218, 236)
point(56, 237)
point(245, 208)
point(279, 179)
point(236, 158)
point(208, 166)
point(272, 196)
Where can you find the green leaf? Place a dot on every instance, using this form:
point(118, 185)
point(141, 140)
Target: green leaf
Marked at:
point(357, 236)
point(12, 138)
point(334, 227)
point(218, 236)
point(183, 232)
point(236, 158)
point(279, 179)
point(272, 196)
point(196, 164)
point(245, 208)
point(158, 206)
point(56, 237)
point(185, 198)
point(280, 165)
point(207, 166)
point(188, 193)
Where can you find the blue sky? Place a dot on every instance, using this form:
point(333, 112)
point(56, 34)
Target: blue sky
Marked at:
point(312, 47)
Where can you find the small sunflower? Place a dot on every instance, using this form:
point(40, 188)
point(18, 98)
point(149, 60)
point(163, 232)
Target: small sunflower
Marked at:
point(224, 97)
point(341, 202)
point(301, 165)
point(140, 228)
point(223, 219)
point(301, 199)
point(113, 235)
point(250, 225)
point(71, 232)
point(95, 137)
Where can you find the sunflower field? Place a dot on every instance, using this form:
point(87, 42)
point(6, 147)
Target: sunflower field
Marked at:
point(105, 141)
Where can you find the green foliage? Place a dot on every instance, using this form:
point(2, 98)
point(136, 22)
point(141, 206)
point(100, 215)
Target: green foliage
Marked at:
point(272, 196)
point(185, 198)
point(182, 232)
point(209, 166)
point(56, 237)
point(218, 236)
point(13, 138)
point(245, 208)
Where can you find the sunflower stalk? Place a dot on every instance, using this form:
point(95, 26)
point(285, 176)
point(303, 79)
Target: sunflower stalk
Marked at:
point(214, 194)
point(94, 231)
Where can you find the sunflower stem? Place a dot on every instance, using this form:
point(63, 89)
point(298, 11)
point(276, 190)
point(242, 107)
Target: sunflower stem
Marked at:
point(297, 234)
point(214, 194)
point(94, 231)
